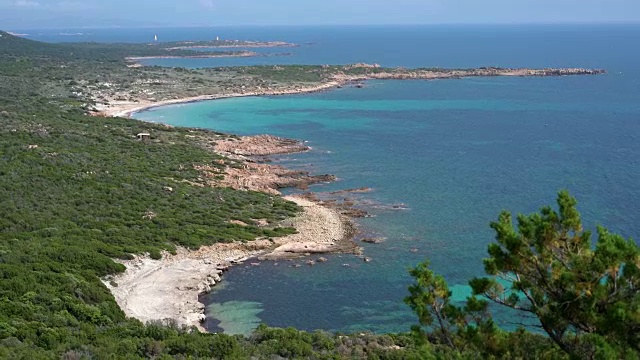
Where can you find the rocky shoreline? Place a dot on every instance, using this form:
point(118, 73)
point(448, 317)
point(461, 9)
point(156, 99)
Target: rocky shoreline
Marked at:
point(169, 289)
point(432, 74)
point(259, 145)
point(246, 166)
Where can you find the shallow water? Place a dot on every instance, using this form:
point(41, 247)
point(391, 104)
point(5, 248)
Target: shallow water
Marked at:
point(454, 153)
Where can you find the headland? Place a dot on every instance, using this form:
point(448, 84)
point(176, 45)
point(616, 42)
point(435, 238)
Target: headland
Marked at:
point(324, 78)
point(169, 288)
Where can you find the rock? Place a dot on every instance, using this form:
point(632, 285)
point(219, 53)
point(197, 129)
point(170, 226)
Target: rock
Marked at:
point(261, 222)
point(259, 177)
point(355, 213)
point(322, 259)
point(238, 222)
point(352, 191)
point(223, 266)
point(377, 240)
point(311, 262)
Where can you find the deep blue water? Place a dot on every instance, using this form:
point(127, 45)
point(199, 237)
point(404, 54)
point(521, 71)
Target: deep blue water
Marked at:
point(411, 46)
point(453, 152)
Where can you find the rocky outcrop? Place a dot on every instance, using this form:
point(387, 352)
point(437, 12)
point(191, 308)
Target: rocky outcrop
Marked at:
point(260, 145)
point(259, 177)
point(436, 73)
point(361, 66)
point(377, 240)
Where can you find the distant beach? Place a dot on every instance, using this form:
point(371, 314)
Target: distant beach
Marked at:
point(126, 109)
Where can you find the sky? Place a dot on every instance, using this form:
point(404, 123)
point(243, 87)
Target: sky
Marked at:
point(33, 14)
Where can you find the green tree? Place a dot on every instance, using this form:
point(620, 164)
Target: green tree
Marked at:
point(451, 325)
point(583, 295)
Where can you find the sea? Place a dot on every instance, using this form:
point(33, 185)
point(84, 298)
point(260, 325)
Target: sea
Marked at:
point(442, 157)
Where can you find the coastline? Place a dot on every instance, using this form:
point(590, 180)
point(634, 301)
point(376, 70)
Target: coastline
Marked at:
point(339, 79)
point(157, 290)
point(168, 289)
point(204, 56)
point(230, 44)
point(127, 109)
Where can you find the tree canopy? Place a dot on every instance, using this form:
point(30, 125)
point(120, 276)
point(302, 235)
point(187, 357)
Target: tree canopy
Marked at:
point(583, 295)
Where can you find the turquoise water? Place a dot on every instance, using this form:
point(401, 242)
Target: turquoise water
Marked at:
point(451, 154)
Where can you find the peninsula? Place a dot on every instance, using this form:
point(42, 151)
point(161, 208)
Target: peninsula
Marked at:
point(226, 44)
point(199, 49)
point(173, 87)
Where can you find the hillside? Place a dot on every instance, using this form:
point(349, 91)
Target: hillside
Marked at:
point(78, 191)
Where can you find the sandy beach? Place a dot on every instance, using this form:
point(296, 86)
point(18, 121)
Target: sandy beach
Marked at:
point(169, 288)
point(126, 108)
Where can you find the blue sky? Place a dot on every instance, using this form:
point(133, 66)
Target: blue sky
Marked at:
point(16, 14)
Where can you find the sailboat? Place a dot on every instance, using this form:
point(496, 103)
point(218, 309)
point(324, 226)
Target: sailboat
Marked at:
point(155, 38)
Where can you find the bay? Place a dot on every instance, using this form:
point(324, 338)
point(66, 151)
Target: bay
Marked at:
point(451, 154)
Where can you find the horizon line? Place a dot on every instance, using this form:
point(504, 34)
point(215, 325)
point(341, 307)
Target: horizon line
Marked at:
point(330, 25)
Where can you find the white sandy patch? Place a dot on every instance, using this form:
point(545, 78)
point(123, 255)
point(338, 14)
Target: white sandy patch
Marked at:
point(320, 230)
